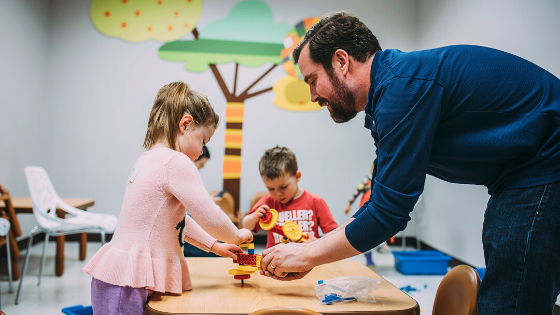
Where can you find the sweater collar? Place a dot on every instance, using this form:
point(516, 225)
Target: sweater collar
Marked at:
point(369, 108)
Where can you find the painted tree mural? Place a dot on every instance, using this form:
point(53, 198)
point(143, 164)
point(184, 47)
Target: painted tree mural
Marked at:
point(248, 36)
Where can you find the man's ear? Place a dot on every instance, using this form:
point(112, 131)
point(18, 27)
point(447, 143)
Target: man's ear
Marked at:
point(341, 61)
point(185, 122)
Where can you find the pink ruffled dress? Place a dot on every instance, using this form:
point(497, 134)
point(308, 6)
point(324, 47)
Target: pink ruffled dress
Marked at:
point(146, 249)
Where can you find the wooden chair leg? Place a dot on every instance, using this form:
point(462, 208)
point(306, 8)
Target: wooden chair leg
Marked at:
point(15, 270)
point(59, 260)
point(83, 246)
point(15, 254)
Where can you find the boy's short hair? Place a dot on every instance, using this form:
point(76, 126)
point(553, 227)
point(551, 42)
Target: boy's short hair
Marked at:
point(277, 162)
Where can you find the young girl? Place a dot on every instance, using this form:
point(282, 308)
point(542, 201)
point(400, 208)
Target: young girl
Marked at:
point(145, 253)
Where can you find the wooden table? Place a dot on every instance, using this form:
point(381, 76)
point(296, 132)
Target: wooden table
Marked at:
point(25, 205)
point(216, 292)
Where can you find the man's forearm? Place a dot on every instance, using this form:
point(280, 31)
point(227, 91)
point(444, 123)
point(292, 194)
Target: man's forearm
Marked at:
point(332, 247)
point(341, 227)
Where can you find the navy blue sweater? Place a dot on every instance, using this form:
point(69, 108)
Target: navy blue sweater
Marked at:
point(464, 114)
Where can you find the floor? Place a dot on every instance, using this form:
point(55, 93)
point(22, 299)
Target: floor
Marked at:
point(73, 288)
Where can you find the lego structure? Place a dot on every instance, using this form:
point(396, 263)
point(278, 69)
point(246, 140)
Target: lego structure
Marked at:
point(290, 231)
point(248, 263)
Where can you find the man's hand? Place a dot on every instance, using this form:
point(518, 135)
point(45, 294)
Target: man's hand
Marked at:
point(286, 262)
point(225, 250)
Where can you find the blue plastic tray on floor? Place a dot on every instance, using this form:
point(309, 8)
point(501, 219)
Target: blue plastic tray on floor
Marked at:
point(78, 310)
point(481, 272)
point(423, 262)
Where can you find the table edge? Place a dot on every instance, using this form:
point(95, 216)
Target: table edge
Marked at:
point(415, 310)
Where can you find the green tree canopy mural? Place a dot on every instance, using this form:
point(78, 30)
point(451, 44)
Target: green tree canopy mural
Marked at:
point(247, 36)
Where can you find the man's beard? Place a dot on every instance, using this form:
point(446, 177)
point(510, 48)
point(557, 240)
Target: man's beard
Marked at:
point(342, 103)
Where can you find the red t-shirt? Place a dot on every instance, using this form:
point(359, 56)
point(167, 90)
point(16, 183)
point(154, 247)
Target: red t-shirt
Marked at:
point(309, 211)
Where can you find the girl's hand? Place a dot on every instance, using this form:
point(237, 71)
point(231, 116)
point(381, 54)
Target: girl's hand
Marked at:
point(225, 250)
point(246, 236)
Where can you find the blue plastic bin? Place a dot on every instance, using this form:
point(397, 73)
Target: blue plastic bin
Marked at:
point(481, 272)
point(78, 310)
point(424, 262)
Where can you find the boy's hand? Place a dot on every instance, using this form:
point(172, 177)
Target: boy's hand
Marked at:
point(225, 250)
point(251, 220)
point(246, 236)
point(258, 214)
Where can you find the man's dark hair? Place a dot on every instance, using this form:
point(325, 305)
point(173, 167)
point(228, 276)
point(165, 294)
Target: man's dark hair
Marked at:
point(340, 30)
point(205, 153)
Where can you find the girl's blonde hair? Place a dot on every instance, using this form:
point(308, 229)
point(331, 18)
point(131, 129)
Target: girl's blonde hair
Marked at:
point(172, 102)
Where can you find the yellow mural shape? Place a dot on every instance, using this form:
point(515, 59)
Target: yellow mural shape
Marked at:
point(139, 20)
point(293, 94)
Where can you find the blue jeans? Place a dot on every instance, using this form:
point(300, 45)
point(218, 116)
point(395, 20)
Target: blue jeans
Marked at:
point(521, 239)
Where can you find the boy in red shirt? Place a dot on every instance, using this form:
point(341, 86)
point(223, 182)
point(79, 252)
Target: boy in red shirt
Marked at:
point(280, 174)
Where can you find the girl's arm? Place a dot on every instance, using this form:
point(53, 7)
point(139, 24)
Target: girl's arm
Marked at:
point(184, 182)
point(196, 236)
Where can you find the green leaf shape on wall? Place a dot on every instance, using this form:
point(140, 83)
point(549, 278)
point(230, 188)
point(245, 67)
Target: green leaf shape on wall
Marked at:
point(247, 21)
point(198, 54)
point(247, 36)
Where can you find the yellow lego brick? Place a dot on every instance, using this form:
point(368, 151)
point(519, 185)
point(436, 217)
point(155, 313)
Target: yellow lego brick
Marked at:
point(247, 268)
point(248, 245)
point(237, 272)
point(259, 262)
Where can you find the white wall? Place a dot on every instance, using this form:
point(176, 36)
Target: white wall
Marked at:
point(25, 133)
point(453, 214)
point(103, 89)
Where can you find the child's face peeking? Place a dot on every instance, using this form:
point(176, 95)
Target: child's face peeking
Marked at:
point(283, 188)
point(191, 138)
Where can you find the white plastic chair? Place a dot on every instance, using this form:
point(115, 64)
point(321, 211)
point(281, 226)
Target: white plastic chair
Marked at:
point(5, 232)
point(45, 200)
